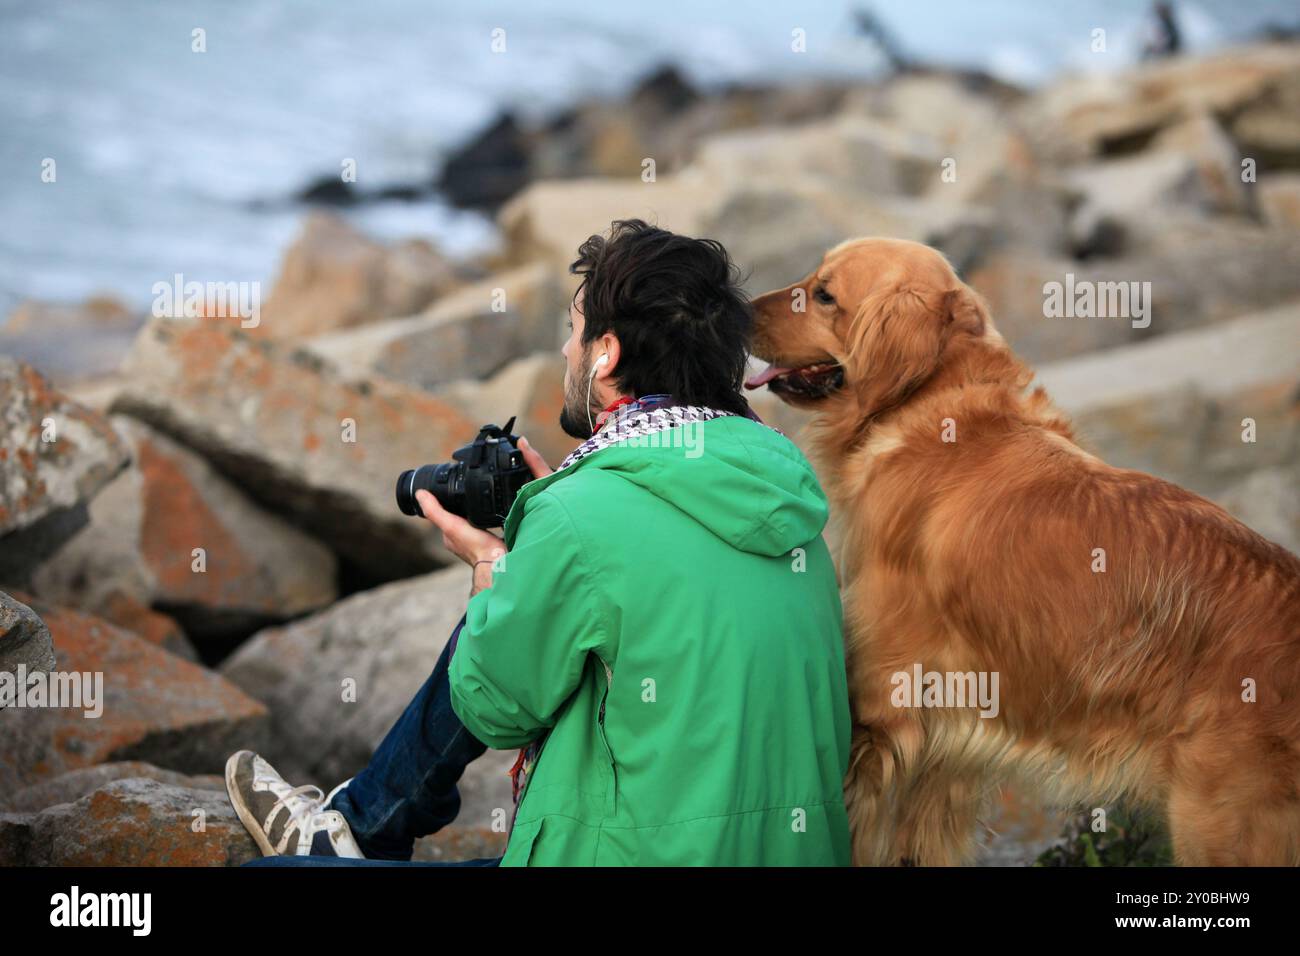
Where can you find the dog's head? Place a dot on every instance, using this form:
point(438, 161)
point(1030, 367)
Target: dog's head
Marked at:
point(873, 322)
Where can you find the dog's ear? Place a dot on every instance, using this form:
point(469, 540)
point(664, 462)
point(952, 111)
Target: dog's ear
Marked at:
point(966, 310)
point(897, 337)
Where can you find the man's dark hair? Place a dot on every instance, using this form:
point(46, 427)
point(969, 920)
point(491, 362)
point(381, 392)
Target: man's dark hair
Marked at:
point(676, 306)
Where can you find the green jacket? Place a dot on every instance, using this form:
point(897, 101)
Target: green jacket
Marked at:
point(672, 616)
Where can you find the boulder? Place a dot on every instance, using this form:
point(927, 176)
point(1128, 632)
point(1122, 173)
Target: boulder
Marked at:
point(1219, 187)
point(532, 391)
point(1198, 274)
point(471, 333)
point(1279, 200)
point(139, 549)
point(848, 152)
point(377, 647)
point(490, 168)
point(131, 822)
point(150, 705)
point(24, 639)
point(1012, 282)
point(1174, 406)
point(54, 456)
point(75, 784)
point(1138, 194)
point(1099, 114)
point(549, 220)
point(153, 626)
point(460, 841)
point(777, 233)
point(287, 428)
point(1268, 500)
point(1018, 829)
point(134, 814)
point(973, 130)
point(333, 277)
point(70, 342)
point(1268, 129)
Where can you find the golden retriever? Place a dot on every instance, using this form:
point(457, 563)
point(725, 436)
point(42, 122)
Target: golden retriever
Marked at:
point(1144, 643)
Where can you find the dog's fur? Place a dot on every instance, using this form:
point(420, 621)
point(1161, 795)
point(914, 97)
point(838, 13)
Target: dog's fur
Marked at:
point(979, 555)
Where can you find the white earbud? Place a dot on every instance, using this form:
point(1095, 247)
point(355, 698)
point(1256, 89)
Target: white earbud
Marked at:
point(591, 380)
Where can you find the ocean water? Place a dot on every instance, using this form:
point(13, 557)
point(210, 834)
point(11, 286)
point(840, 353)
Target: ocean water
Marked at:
point(169, 160)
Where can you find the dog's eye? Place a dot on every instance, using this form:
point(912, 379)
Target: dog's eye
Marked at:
point(824, 297)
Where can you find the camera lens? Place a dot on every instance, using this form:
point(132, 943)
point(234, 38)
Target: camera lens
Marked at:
point(435, 479)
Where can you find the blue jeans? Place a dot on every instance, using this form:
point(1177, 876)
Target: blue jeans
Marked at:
point(408, 789)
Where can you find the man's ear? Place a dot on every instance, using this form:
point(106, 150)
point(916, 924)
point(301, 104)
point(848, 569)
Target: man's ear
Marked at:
point(609, 347)
point(896, 338)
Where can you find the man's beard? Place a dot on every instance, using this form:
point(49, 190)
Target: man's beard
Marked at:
point(573, 417)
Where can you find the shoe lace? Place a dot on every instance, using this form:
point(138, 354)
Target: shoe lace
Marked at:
point(301, 808)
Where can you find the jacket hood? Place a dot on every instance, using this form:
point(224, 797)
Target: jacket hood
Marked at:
point(745, 482)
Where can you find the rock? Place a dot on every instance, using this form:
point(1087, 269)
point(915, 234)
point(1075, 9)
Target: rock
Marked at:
point(813, 219)
point(460, 841)
point(387, 642)
point(844, 153)
point(1268, 500)
point(1217, 160)
point(285, 427)
point(1012, 282)
point(70, 342)
point(664, 92)
point(144, 527)
point(72, 786)
point(152, 706)
point(1279, 200)
point(1198, 274)
point(1192, 171)
point(959, 124)
point(55, 455)
point(1019, 829)
point(549, 220)
point(471, 333)
point(772, 258)
point(330, 190)
point(153, 626)
point(333, 277)
point(1174, 406)
point(490, 168)
point(1268, 130)
point(532, 391)
point(134, 822)
point(24, 639)
point(1114, 113)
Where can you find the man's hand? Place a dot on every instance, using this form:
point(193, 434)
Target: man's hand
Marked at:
point(467, 542)
point(533, 459)
point(461, 538)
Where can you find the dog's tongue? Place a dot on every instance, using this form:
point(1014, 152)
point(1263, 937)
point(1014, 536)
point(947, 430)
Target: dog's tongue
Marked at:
point(765, 376)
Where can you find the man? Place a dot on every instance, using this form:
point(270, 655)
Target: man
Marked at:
point(662, 635)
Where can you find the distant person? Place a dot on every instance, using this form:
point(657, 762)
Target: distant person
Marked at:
point(664, 639)
point(1165, 38)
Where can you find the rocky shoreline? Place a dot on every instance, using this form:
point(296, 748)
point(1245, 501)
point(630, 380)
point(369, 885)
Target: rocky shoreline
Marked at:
point(203, 512)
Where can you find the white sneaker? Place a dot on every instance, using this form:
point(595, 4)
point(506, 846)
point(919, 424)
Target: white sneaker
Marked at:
point(284, 819)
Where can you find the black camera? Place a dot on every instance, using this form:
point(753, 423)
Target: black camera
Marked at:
point(481, 483)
